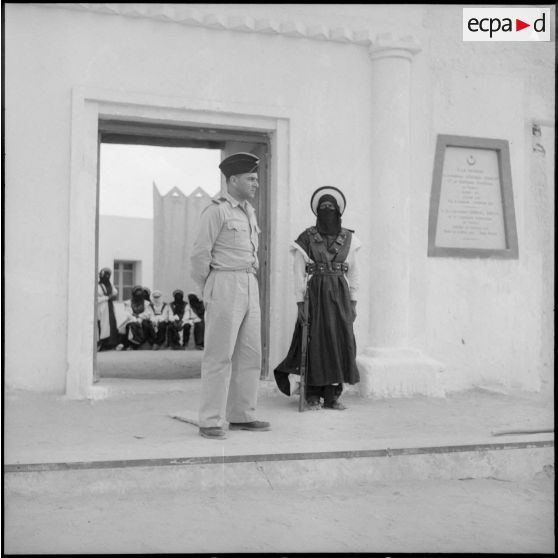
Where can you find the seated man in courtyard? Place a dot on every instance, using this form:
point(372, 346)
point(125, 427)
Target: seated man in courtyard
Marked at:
point(159, 319)
point(182, 318)
point(139, 329)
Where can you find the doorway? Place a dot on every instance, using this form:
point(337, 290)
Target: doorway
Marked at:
point(174, 209)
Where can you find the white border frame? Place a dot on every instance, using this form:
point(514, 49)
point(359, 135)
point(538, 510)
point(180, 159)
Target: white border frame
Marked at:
point(88, 106)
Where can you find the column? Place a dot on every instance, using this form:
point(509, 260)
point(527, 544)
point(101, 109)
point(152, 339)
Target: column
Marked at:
point(389, 367)
point(390, 156)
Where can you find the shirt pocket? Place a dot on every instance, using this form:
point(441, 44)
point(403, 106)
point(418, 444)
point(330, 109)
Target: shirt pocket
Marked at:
point(235, 230)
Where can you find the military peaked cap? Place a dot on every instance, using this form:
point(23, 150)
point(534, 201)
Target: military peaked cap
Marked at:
point(239, 163)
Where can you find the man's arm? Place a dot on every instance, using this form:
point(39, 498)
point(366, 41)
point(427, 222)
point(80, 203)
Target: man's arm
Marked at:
point(209, 228)
point(353, 275)
point(300, 259)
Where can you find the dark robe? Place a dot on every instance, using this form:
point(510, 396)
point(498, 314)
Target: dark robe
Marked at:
point(331, 346)
point(114, 337)
point(197, 305)
point(178, 307)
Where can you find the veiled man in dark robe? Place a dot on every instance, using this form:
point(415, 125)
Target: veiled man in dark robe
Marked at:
point(325, 263)
point(109, 337)
point(197, 306)
point(179, 328)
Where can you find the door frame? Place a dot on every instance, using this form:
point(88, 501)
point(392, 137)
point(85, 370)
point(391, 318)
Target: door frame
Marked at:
point(89, 106)
point(164, 135)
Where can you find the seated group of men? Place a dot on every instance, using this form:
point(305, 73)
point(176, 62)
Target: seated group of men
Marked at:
point(152, 323)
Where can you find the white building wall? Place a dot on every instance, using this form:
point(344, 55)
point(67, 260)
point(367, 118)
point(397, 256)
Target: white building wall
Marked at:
point(129, 239)
point(483, 318)
point(480, 318)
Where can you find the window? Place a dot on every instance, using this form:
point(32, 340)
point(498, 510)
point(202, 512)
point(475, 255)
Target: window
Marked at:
point(124, 278)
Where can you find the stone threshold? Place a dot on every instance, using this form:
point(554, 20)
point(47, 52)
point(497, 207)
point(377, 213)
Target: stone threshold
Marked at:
point(259, 458)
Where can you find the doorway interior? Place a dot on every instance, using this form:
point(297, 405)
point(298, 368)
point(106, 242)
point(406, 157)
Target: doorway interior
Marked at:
point(119, 243)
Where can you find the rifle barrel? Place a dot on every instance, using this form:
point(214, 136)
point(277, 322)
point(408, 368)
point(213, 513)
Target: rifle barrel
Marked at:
point(303, 353)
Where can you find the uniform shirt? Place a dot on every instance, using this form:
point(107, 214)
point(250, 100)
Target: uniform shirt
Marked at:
point(227, 239)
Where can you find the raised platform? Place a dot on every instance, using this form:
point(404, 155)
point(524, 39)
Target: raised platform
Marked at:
point(129, 439)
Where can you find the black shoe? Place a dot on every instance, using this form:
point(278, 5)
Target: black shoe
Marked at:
point(313, 402)
point(254, 426)
point(336, 405)
point(213, 432)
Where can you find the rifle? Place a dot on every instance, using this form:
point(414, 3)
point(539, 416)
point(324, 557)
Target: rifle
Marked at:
point(303, 353)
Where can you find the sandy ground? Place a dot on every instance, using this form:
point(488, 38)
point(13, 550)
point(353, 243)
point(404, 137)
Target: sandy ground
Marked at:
point(164, 364)
point(40, 428)
point(480, 515)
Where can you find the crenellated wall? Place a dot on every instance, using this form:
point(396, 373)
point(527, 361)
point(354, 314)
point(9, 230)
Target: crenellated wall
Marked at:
point(175, 221)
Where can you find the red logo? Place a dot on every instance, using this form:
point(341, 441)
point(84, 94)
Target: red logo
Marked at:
point(519, 25)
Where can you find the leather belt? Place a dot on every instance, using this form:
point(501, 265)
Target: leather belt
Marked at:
point(240, 269)
point(331, 268)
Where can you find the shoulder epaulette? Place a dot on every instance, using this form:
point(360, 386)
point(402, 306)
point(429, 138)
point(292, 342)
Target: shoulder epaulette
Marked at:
point(209, 205)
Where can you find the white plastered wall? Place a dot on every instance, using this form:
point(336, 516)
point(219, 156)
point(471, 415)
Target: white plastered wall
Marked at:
point(127, 239)
point(85, 65)
point(482, 317)
point(65, 68)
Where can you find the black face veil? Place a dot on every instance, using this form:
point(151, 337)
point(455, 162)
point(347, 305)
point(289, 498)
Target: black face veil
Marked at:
point(328, 220)
point(179, 302)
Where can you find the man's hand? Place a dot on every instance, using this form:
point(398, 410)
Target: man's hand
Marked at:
point(302, 317)
point(353, 306)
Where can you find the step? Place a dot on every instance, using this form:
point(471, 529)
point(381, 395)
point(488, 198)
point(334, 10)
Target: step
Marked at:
point(520, 459)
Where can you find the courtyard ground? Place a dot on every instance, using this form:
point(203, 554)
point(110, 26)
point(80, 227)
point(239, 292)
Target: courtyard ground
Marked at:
point(118, 475)
point(476, 515)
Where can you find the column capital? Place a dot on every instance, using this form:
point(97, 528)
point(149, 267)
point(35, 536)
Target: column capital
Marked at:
point(388, 46)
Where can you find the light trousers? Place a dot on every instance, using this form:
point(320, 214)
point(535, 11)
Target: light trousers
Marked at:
point(231, 363)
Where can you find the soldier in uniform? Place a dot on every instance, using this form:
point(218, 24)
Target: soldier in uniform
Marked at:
point(223, 264)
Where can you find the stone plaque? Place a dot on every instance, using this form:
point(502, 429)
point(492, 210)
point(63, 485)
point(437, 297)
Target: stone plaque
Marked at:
point(470, 208)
